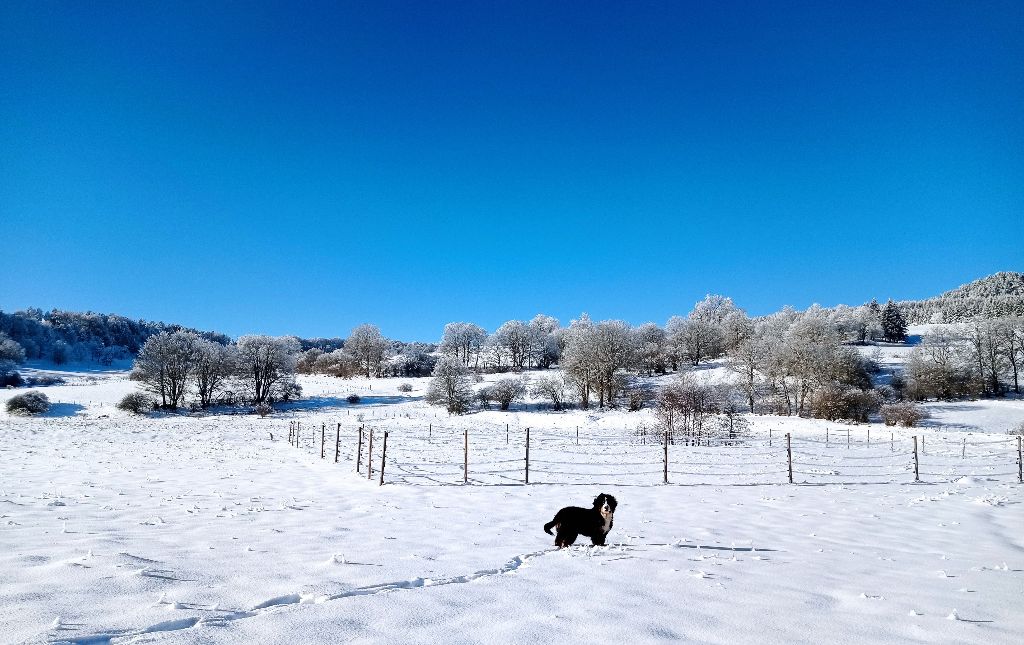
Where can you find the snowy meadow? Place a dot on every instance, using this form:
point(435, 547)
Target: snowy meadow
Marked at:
point(220, 528)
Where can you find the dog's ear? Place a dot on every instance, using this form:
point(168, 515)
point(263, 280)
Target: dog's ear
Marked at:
point(597, 500)
point(611, 501)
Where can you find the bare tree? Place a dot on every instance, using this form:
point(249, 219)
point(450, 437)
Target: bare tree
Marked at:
point(268, 365)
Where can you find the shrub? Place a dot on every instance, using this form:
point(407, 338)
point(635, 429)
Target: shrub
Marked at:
point(44, 380)
point(28, 403)
point(551, 388)
point(9, 376)
point(635, 398)
point(136, 403)
point(905, 414)
point(263, 409)
point(838, 402)
point(1017, 429)
point(405, 387)
point(507, 391)
point(353, 399)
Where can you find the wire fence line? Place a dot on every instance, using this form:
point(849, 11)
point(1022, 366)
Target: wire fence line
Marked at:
point(438, 455)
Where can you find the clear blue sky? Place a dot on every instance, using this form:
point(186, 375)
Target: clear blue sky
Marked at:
point(302, 168)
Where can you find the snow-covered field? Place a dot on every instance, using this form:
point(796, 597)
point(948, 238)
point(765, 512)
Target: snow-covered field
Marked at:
point(206, 529)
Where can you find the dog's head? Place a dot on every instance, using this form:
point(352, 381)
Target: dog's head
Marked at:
point(605, 504)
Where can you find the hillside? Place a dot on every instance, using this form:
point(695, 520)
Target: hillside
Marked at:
point(1000, 294)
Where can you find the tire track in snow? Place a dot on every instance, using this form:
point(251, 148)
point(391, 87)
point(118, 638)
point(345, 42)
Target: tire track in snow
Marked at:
point(106, 638)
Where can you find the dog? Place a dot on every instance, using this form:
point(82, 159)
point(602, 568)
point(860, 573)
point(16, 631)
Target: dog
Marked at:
point(573, 521)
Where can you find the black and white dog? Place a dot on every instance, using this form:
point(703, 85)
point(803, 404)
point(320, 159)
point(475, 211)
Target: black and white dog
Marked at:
point(573, 521)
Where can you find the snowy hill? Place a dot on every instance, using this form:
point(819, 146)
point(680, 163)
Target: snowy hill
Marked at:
point(1000, 294)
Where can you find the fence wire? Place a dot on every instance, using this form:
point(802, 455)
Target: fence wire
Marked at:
point(498, 455)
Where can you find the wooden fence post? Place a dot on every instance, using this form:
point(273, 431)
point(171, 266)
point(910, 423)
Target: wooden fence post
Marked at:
point(1020, 464)
point(577, 435)
point(383, 458)
point(369, 456)
point(963, 450)
point(892, 442)
point(337, 445)
point(847, 439)
point(430, 431)
point(789, 455)
point(465, 456)
point(506, 434)
point(298, 434)
point(359, 450)
point(917, 472)
point(869, 435)
point(826, 436)
point(527, 455)
point(323, 437)
point(666, 457)
point(769, 437)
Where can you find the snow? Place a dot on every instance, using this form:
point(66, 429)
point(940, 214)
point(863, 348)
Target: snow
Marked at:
point(203, 529)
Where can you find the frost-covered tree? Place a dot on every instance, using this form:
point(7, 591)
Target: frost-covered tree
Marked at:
point(11, 350)
point(214, 365)
point(451, 386)
point(579, 360)
point(613, 351)
point(649, 343)
point(544, 346)
point(267, 365)
point(515, 342)
point(463, 341)
point(307, 360)
point(550, 388)
point(338, 363)
point(368, 345)
point(165, 365)
point(939, 368)
point(693, 340)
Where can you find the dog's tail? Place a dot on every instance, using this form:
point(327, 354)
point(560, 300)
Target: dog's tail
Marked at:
point(547, 527)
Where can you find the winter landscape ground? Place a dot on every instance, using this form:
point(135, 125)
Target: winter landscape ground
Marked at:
point(172, 528)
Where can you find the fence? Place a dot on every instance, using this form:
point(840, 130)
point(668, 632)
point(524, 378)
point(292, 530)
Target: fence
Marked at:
point(492, 455)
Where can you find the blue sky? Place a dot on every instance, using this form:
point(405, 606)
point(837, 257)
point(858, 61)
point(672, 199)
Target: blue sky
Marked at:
point(303, 168)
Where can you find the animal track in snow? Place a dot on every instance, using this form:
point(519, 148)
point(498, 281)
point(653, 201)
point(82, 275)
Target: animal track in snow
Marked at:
point(291, 599)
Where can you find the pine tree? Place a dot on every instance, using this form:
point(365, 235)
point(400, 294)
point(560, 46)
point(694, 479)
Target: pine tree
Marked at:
point(894, 327)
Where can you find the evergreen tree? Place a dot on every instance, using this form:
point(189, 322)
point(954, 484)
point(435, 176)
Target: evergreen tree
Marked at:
point(894, 327)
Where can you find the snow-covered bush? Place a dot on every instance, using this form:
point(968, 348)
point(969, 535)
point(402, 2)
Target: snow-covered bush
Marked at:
point(136, 403)
point(451, 386)
point(838, 402)
point(1017, 429)
point(905, 414)
point(507, 391)
point(550, 388)
point(405, 387)
point(28, 403)
point(353, 399)
point(263, 409)
point(9, 376)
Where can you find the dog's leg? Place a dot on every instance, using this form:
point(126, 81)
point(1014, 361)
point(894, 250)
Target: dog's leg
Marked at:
point(598, 540)
point(565, 539)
